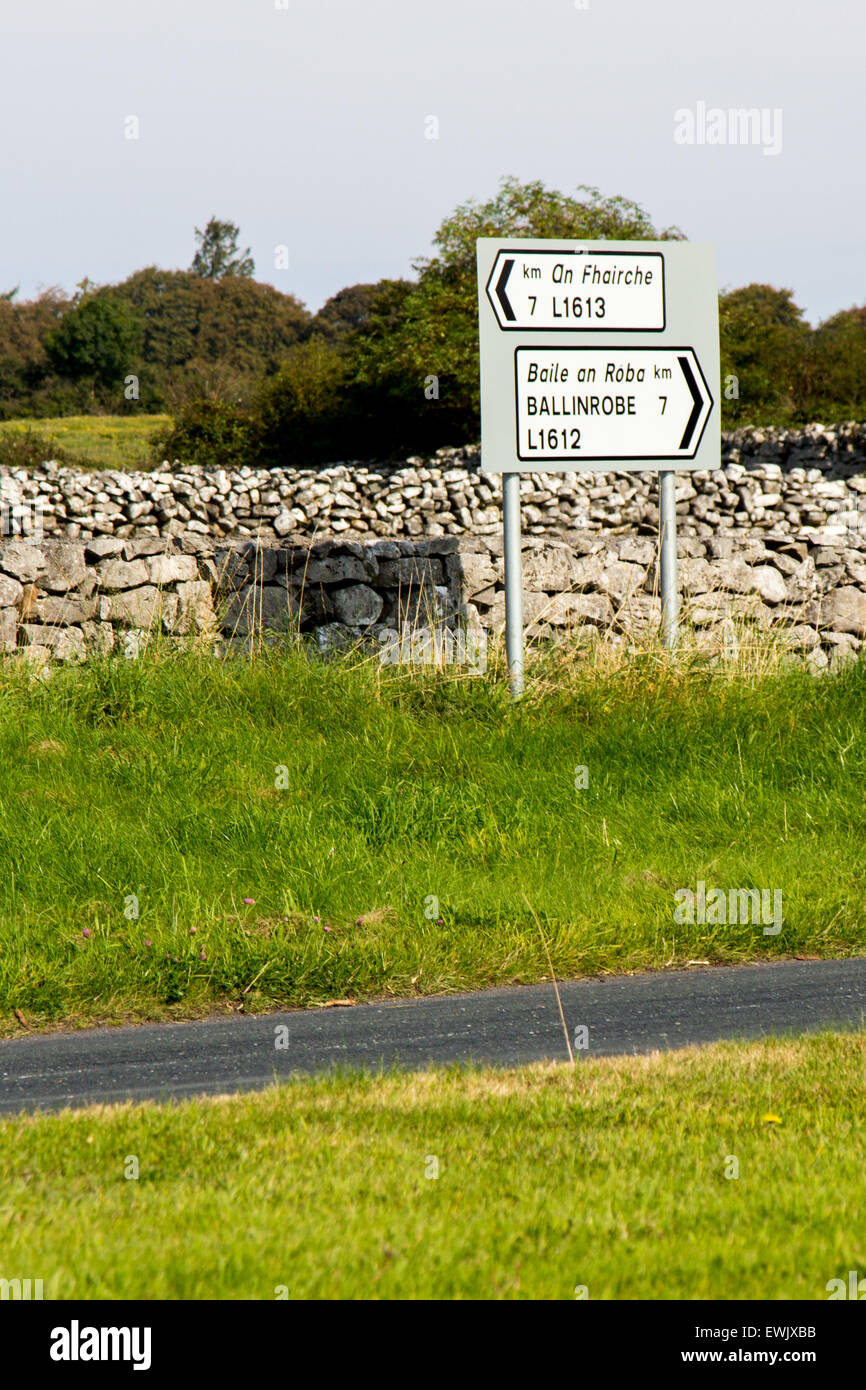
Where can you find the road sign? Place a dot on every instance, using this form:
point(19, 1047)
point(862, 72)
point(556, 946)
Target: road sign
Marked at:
point(608, 403)
point(559, 290)
point(598, 354)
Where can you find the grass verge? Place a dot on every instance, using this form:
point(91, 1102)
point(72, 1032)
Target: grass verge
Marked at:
point(181, 834)
point(733, 1171)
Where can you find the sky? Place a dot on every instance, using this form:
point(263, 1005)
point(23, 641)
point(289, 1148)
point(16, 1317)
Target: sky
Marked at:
point(308, 123)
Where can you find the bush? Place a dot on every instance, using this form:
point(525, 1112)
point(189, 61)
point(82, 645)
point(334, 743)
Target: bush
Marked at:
point(213, 433)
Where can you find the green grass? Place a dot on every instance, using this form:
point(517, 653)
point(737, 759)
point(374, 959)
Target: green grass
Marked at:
point(615, 1176)
point(421, 813)
point(88, 441)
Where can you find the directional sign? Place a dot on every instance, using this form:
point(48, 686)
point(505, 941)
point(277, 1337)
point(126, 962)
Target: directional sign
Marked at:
point(597, 354)
point(609, 403)
point(560, 290)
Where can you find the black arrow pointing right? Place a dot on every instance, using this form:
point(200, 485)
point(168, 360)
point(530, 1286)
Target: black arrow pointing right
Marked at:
point(698, 402)
point(500, 291)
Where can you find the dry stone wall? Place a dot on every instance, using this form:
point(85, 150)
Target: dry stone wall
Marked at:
point(64, 599)
point(795, 482)
point(773, 542)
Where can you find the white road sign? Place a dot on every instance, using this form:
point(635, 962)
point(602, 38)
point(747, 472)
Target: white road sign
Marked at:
point(560, 290)
point(608, 403)
point(596, 352)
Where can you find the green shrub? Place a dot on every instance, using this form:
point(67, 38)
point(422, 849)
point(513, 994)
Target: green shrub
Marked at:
point(213, 433)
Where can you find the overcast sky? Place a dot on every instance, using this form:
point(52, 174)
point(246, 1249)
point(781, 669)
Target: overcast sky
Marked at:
point(308, 126)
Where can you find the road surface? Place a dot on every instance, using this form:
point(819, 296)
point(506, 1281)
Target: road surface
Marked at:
point(504, 1027)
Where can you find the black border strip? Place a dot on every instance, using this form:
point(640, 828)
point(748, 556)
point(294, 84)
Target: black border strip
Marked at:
point(570, 328)
point(609, 458)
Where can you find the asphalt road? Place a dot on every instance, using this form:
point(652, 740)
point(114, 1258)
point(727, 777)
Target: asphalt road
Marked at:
point(505, 1027)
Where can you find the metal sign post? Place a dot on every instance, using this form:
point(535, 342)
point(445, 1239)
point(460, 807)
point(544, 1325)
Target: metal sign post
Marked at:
point(513, 582)
point(596, 355)
point(668, 557)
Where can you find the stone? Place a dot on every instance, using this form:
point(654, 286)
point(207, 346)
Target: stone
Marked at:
point(357, 605)
point(64, 643)
point(338, 569)
point(8, 629)
point(640, 613)
point(548, 567)
point(11, 591)
point(410, 571)
point(35, 654)
point(588, 570)
point(471, 574)
point(257, 607)
point(537, 607)
point(98, 637)
point(231, 569)
point(334, 637)
point(568, 610)
point(620, 579)
point(134, 549)
point(637, 550)
point(63, 610)
point(696, 576)
point(801, 636)
point(117, 575)
point(438, 545)
point(140, 608)
point(65, 567)
point(22, 561)
point(261, 563)
point(389, 550)
point(740, 578)
point(845, 610)
point(170, 569)
point(714, 607)
point(102, 547)
point(195, 611)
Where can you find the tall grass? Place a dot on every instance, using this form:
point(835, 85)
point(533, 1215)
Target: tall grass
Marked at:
point(388, 825)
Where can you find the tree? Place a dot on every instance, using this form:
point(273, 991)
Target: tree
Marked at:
point(24, 362)
point(345, 311)
point(429, 329)
point(834, 386)
point(204, 337)
point(99, 339)
point(764, 340)
point(217, 256)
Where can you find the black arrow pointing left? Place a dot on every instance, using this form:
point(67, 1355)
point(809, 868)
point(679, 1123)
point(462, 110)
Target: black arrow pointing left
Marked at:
point(698, 402)
point(507, 310)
